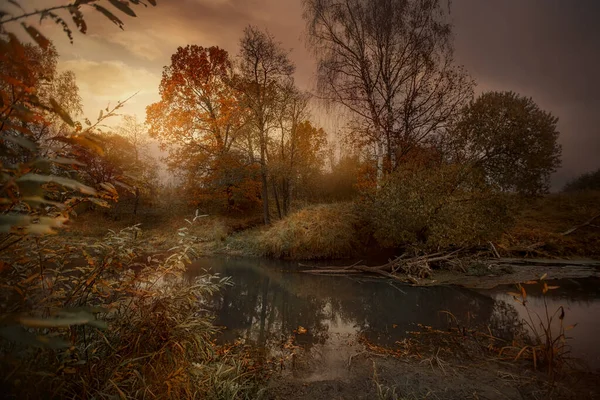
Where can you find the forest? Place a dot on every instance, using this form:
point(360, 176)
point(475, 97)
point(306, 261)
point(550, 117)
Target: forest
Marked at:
point(227, 245)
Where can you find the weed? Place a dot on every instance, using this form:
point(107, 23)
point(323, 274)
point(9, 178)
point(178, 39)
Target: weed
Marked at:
point(549, 346)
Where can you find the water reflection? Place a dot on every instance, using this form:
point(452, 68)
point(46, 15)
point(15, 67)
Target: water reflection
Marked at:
point(269, 300)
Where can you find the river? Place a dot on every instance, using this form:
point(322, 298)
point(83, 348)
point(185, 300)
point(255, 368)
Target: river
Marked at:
point(270, 299)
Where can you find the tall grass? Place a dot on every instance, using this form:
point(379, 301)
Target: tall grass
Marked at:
point(104, 320)
point(549, 348)
point(320, 231)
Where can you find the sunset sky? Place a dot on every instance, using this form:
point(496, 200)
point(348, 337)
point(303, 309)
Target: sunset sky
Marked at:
point(546, 49)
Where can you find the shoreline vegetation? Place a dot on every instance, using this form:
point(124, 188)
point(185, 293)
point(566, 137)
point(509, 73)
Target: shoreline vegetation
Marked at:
point(553, 233)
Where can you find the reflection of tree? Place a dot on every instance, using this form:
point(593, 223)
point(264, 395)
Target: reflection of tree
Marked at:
point(505, 322)
point(266, 304)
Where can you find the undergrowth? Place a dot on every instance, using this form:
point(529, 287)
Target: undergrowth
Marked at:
point(104, 320)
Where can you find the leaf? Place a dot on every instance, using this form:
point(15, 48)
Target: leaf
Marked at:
point(18, 334)
point(67, 319)
point(21, 141)
point(66, 161)
point(553, 287)
point(7, 221)
point(40, 39)
point(61, 112)
point(543, 277)
point(46, 226)
point(123, 6)
point(110, 16)
point(77, 16)
point(69, 183)
point(568, 328)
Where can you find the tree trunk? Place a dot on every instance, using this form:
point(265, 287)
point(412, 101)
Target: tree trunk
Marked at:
point(137, 200)
point(276, 198)
point(286, 196)
point(265, 196)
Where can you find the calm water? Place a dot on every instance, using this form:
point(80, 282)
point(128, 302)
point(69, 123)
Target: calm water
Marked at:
point(270, 299)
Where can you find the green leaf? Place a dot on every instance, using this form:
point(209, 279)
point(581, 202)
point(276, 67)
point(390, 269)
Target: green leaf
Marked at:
point(123, 6)
point(40, 39)
point(7, 221)
point(109, 15)
point(18, 334)
point(61, 113)
point(64, 319)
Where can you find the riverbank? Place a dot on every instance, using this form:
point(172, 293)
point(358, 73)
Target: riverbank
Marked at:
point(346, 337)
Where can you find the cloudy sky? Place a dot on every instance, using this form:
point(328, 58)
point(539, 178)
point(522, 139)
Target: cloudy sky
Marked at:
point(546, 49)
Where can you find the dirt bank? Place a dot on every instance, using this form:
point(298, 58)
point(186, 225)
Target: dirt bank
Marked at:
point(343, 369)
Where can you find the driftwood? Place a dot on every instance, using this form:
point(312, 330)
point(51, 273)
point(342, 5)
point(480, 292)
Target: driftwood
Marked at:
point(412, 270)
point(400, 268)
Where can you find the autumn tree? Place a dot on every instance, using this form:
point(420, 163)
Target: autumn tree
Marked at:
point(29, 106)
point(264, 71)
point(143, 175)
point(390, 63)
point(200, 120)
point(296, 149)
point(511, 139)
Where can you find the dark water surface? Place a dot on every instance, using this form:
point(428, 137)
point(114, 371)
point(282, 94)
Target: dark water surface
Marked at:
point(270, 299)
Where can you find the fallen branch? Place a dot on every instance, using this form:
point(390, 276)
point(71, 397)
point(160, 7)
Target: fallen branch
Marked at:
point(586, 223)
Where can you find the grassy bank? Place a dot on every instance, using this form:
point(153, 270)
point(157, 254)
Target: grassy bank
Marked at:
point(541, 224)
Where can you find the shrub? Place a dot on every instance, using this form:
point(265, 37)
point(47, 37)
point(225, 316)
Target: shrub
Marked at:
point(435, 207)
point(93, 321)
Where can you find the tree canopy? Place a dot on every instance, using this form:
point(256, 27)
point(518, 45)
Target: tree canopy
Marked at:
point(511, 139)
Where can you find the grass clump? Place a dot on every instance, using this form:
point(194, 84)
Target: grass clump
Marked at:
point(316, 232)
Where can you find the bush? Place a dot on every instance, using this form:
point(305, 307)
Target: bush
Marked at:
point(321, 231)
point(435, 207)
point(107, 321)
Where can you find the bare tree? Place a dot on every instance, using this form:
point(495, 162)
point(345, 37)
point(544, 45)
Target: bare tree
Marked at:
point(390, 62)
point(264, 70)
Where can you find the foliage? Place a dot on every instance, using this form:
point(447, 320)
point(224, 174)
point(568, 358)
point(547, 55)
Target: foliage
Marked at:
point(200, 119)
point(587, 181)
point(110, 320)
point(511, 139)
point(38, 132)
point(435, 207)
point(390, 64)
point(321, 231)
point(74, 10)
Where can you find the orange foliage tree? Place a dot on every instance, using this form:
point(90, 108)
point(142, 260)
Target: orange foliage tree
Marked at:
point(200, 121)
